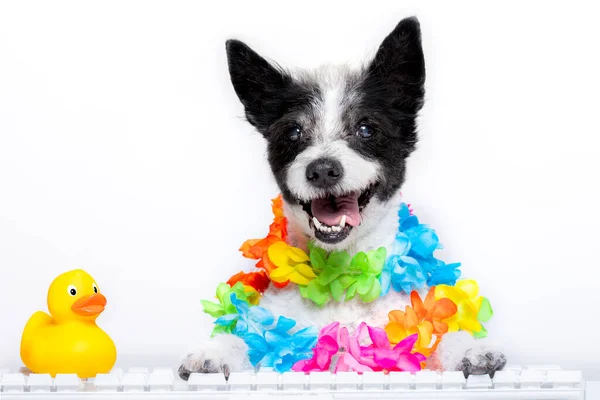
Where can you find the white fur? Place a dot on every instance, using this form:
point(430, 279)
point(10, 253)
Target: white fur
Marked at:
point(458, 345)
point(288, 302)
point(332, 85)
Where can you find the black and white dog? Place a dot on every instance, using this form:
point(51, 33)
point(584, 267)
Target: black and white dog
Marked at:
point(338, 140)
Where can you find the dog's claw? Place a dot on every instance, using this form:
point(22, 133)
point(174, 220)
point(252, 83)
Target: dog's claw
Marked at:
point(184, 373)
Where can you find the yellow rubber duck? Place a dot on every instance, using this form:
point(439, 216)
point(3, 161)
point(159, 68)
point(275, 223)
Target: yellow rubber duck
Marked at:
point(69, 341)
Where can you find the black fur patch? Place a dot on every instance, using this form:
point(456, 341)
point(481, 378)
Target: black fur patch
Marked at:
point(282, 151)
point(274, 103)
point(390, 94)
point(266, 91)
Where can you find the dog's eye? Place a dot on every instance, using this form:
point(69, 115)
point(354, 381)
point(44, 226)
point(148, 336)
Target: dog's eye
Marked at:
point(294, 133)
point(365, 131)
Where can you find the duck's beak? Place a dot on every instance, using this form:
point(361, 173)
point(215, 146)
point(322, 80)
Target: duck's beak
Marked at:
point(89, 305)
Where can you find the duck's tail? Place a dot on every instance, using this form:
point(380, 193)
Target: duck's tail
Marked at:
point(37, 320)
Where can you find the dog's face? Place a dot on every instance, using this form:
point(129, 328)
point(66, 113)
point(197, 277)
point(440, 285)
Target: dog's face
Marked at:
point(338, 139)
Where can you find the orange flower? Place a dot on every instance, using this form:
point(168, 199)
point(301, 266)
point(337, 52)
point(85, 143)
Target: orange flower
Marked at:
point(256, 249)
point(434, 311)
point(277, 206)
point(279, 226)
point(425, 318)
point(257, 280)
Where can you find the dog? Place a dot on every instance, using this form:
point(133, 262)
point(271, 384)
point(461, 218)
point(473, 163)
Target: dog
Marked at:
point(338, 141)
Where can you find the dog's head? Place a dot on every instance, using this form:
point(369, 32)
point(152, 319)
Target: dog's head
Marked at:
point(338, 139)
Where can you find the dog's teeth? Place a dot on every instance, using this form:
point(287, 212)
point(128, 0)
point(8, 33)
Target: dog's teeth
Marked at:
point(316, 222)
point(329, 229)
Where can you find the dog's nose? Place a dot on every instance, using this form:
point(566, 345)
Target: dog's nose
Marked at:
point(324, 172)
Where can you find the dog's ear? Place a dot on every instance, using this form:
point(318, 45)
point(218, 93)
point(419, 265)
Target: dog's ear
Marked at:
point(260, 86)
point(400, 65)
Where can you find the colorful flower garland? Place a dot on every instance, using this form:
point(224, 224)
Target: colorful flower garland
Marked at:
point(408, 339)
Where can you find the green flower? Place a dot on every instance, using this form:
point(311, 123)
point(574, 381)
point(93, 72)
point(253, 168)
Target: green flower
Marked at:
point(342, 277)
point(224, 306)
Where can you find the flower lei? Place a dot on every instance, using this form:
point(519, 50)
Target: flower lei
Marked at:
point(409, 338)
point(323, 276)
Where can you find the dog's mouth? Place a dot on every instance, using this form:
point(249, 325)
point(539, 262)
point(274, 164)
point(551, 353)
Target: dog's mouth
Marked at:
point(333, 217)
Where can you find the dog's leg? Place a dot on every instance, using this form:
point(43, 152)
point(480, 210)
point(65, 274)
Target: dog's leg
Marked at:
point(459, 351)
point(224, 353)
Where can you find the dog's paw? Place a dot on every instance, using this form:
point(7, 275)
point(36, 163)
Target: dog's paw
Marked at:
point(223, 354)
point(199, 363)
point(481, 362)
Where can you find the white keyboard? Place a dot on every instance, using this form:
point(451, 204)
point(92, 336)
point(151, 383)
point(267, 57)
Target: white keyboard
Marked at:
point(533, 382)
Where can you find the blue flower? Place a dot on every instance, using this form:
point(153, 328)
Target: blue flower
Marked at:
point(270, 344)
point(412, 264)
point(401, 245)
point(444, 274)
point(423, 240)
point(248, 319)
point(403, 273)
point(407, 220)
point(277, 348)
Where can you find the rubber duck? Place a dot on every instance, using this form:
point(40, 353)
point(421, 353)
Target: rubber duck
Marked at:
point(68, 341)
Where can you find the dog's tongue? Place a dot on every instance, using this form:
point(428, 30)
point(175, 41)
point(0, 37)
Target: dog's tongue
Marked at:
point(331, 209)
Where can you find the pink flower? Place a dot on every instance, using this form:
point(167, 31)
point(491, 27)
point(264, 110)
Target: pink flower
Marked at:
point(326, 347)
point(355, 353)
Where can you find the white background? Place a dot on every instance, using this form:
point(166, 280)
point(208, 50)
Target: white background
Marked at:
point(123, 152)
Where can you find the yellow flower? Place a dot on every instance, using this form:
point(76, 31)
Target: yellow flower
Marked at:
point(253, 295)
point(292, 264)
point(468, 303)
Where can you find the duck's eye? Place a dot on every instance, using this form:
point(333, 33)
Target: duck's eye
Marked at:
point(365, 131)
point(95, 288)
point(72, 290)
point(294, 133)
